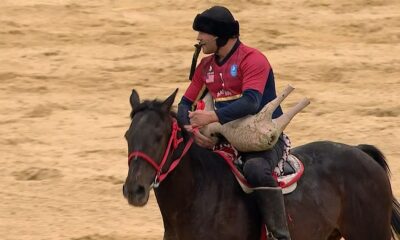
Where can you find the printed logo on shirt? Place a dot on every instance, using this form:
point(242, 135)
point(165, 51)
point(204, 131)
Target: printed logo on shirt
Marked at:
point(234, 70)
point(210, 75)
point(224, 93)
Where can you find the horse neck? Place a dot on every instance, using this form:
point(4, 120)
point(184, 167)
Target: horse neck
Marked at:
point(197, 172)
point(176, 191)
point(202, 187)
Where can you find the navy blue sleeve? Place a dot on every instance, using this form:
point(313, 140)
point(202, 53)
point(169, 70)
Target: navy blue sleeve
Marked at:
point(184, 107)
point(248, 104)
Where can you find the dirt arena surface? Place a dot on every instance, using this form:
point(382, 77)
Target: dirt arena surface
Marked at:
point(67, 68)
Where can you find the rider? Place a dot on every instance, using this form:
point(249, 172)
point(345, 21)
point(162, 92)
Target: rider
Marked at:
point(241, 82)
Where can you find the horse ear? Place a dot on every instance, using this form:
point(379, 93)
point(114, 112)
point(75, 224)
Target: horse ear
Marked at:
point(134, 99)
point(167, 104)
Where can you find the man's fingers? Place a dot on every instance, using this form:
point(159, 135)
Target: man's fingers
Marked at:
point(192, 114)
point(203, 141)
point(188, 128)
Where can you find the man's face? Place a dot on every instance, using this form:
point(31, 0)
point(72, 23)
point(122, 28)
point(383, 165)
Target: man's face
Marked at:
point(209, 41)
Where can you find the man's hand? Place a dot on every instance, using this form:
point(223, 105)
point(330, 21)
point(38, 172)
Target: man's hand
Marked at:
point(202, 140)
point(201, 118)
point(199, 138)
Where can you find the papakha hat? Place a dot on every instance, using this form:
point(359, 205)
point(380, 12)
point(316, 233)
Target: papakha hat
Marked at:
point(217, 21)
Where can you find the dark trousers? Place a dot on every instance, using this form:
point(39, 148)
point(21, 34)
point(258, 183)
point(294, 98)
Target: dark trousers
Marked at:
point(259, 166)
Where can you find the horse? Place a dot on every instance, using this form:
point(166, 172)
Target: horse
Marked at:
point(345, 190)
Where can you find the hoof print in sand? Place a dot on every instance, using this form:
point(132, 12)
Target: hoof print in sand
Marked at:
point(109, 179)
point(37, 174)
point(95, 237)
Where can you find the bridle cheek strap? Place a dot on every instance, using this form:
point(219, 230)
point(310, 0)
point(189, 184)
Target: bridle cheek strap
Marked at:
point(174, 164)
point(173, 144)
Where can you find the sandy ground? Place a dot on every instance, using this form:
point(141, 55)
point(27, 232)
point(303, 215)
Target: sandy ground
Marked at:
point(67, 68)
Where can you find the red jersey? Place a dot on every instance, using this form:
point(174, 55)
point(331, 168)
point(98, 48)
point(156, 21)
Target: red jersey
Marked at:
point(246, 68)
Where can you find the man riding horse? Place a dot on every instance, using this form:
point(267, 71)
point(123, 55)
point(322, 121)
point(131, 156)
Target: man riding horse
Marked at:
point(241, 82)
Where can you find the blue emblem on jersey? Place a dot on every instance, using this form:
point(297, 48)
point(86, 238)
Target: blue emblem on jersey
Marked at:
point(234, 70)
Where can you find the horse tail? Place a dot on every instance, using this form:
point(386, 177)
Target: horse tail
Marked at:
point(378, 156)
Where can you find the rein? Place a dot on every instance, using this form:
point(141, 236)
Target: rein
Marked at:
point(173, 144)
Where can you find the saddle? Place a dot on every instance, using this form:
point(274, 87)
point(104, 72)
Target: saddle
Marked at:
point(287, 172)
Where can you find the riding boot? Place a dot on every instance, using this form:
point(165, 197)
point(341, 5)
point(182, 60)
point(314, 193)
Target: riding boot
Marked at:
point(272, 207)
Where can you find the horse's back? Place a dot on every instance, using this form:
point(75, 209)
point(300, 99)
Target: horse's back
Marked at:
point(338, 188)
point(338, 162)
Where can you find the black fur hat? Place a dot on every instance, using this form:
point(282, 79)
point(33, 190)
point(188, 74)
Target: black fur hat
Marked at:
point(217, 21)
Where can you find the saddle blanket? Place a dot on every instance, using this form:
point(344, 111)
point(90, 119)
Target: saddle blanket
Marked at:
point(288, 172)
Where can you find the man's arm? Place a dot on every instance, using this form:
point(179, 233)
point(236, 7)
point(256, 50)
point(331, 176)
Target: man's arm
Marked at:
point(246, 105)
point(184, 108)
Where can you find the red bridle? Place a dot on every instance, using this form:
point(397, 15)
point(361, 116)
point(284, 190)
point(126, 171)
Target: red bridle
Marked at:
point(174, 143)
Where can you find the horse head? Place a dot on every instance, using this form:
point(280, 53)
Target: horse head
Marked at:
point(148, 137)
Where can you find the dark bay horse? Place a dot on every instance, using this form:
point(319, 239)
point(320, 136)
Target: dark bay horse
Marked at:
point(345, 190)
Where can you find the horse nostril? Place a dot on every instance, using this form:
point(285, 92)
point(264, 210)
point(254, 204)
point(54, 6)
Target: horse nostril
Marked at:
point(139, 190)
point(134, 193)
point(124, 191)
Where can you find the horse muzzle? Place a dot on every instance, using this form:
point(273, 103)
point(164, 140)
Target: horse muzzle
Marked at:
point(137, 195)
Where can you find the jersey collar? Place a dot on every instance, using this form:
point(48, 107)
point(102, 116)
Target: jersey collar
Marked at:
point(228, 55)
